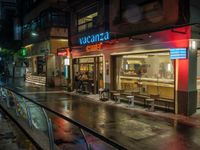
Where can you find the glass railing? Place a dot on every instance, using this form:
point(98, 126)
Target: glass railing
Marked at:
point(40, 118)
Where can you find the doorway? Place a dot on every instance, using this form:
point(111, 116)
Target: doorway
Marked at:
point(92, 69)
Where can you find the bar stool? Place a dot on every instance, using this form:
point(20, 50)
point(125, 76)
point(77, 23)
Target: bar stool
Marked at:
point(112, 94)
point(150, 104)
point(130, 100)
point(116, 97)
point(101, 93)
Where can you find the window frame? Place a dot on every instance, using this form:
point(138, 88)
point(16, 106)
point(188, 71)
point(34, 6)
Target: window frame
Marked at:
point(88, 11)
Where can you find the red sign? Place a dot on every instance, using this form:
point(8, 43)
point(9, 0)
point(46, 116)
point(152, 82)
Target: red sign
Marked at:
point(63, 52)
point(94, 47)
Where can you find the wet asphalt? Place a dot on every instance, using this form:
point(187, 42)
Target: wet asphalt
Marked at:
point(130, 129)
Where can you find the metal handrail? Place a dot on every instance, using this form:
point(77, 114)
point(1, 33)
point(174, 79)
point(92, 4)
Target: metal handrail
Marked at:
point(74, 122)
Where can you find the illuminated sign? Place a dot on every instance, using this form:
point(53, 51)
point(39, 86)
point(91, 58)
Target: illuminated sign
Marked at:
point(66, 62)
point(23, 52)
point(63, 52)
point(94, 47)
point(99, 37)
point(178, 53)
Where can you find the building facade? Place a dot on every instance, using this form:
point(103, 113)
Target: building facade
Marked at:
point(149, 47)
point(44, 31)
point(89, 18)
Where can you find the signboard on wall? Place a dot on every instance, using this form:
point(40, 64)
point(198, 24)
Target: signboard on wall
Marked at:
point(23, 52)
point(93, 47)
point(178, 53)
point(99, 37)
point(63, 52)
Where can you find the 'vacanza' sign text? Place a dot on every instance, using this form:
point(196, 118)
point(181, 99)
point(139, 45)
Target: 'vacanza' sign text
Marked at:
point(94, 38)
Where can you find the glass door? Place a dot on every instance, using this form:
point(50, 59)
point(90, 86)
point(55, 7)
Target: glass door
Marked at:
point(93, 68)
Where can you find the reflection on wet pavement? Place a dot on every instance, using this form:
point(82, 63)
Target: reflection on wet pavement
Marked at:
point(11, 137)
point(130, 129)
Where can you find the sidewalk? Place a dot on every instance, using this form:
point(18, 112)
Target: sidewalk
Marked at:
point(193, 120)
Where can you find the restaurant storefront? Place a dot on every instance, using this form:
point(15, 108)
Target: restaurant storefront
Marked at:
point(162, 64)
point(43, 62)
point(88, 62)
point(150, 73)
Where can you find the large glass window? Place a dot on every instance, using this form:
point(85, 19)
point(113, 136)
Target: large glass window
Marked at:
point(59, 19)
point(53, 18)
point(151, 73)
point(45, 20)
point(87, 19)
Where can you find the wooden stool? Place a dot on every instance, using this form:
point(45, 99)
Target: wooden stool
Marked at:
point(131, 101)
point(112, 94)
point(116, 97)
point(150, 104)
point(100, 93)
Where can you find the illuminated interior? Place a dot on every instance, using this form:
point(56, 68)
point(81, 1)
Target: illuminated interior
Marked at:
point(149, 73)
point(86, 22)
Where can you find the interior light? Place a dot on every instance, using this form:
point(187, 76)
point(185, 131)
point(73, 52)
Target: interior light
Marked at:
point(126, 67)
point(194, 45)
point(135, 56)
point(169, 67)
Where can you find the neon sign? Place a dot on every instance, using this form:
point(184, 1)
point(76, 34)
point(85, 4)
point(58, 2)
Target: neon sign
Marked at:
point(94, 47)
point(178, 53)
point(63, 52)
point(99, 37)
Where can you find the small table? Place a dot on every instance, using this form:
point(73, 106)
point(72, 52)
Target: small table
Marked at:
point(150, 104)
point(131, 101)
point(116, 97)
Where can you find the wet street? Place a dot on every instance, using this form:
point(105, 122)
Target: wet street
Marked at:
point(126, 127)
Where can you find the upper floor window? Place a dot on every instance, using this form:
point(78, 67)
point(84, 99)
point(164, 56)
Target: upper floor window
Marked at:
point(53, 18)
point(87, 20)
point(134, 11)
point(59, 19)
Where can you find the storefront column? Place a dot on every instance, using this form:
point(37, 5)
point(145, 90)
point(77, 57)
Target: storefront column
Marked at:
point(186, 91)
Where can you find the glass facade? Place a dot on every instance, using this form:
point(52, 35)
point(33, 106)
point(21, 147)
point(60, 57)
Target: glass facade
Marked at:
point(149, 74)
point(93, 68)
point(48, 18)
